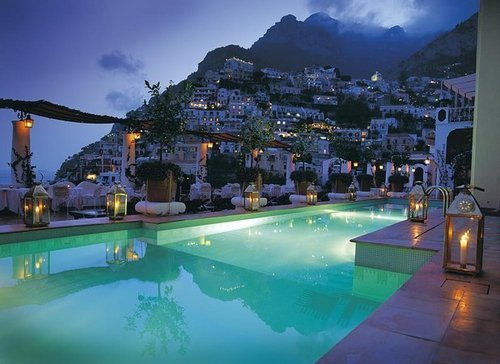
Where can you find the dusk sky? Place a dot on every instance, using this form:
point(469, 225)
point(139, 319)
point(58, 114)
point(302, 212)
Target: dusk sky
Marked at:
point(94, 55)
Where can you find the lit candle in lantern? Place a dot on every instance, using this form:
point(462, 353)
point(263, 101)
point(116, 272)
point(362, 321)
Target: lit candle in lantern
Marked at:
point(37, 214)
point(463, 250)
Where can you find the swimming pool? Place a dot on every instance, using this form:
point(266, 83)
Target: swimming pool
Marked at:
point(281, 287)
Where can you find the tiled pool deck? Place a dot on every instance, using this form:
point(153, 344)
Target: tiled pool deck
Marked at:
point(435, 317)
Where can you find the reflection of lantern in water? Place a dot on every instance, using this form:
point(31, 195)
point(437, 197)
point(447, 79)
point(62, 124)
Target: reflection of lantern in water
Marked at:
point(116, 253)
point(31, 266)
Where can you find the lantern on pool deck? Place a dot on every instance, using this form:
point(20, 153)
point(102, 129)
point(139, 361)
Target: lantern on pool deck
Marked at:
point(463, 236)
point(418, 202)
point(382, 190)
point(36, 207)
point(351, 192)
point(116, 202)
point(311, 195)
point(251, 198)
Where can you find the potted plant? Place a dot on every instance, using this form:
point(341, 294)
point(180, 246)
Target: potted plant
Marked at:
point(160, 178)
point(302, 180)
point(256, 132)
point(365, 181)
point(340, 182)
point(250, 175)
point(162, 121)
point(397, 182)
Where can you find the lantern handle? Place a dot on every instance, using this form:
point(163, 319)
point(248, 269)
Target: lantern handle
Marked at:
point(470, 188)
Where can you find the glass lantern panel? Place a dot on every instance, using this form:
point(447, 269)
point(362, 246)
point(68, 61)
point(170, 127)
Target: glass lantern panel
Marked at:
point(462, 242)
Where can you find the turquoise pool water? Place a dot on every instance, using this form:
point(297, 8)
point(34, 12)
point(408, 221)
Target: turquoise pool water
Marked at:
point(273, 289)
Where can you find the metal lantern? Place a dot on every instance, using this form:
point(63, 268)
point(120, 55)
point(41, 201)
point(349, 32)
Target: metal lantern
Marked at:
point(351, 192)
point(418, 202)
point(382, 190)
point(28, 122)
point(251, 198)
point(464, 233)
point(36, 207)
point(311, 195)
point(116, 202)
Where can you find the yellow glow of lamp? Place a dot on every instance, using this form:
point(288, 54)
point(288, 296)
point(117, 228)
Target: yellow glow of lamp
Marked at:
point(311, 195)
point(116, 202)
point(418, 203)
point(251, 198)
point(91, 177)
point(28, 122)
point(382, 190)
point(464, 235)
point(36, 207)
point(351, 192)
point(137, 135)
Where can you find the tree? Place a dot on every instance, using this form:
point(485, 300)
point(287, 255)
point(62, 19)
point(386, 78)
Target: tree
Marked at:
point(301, 149)
point(400, 158)
point(221, 169)
point(353, 112)
point(256, 132)
point(162, 118)
point(346, 149)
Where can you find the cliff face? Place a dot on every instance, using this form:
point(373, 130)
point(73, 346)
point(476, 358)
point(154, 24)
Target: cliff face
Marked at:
point(290, 45)
point(451, 54)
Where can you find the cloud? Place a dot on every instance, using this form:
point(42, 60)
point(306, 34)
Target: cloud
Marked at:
point(124, 101)
point(117, 61)
point(418, 15)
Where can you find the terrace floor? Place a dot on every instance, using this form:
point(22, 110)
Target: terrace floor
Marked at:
point(435, 317)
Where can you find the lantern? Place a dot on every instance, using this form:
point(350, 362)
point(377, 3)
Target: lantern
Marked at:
point(311, 195)
point(418, 202)
point(382, 190)
point(251, 198)
point(28, 122)
point(463, 236)
point(351, 192)
point(116, 202)
point(36, 207)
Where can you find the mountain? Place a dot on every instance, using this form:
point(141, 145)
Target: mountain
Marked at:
point(291, 45)
point(452, 54)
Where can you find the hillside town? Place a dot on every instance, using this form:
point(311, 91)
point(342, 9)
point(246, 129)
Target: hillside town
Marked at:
point(349, 125)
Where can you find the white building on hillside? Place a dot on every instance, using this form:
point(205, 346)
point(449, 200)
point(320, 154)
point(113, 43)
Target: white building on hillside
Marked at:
point(379, 128)
point(238, 69)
